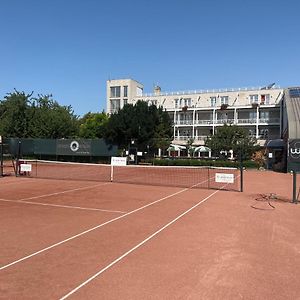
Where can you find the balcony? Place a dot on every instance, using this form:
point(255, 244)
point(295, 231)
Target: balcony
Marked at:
point(198, 140)
point(269, 121)
point(265, 121)
point(184, 122)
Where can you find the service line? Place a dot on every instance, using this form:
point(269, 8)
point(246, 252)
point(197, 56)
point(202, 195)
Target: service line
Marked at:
point(63, 206)
point(91, 229)
point(64, 192)
point(136, 247)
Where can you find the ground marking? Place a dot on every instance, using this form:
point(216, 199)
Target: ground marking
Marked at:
point(63, 192)
point(91, 229)
point(64, 206)
point(17, 181)
point(136, 247)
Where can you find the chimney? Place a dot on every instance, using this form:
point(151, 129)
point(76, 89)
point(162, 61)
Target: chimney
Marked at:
point(157, 90)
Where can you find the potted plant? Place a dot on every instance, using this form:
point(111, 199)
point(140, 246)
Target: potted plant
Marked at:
point(224, 106)
point(254, 105)
point(184, 108)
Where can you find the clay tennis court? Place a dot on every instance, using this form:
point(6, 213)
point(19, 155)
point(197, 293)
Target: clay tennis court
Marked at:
point(64, 239)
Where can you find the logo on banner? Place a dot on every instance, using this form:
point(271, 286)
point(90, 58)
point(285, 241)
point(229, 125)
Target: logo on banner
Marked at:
point(295, 150)
point(74, 146)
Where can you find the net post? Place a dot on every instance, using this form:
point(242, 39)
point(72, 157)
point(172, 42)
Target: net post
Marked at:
point(111, 173)
point(18, 167)
point(295, 200)
point(208, 177)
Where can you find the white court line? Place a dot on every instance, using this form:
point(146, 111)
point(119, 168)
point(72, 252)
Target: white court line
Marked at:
point(66, 191)
point(16, 182)
point(64, 206)
point(91, 229)
point(135, 247)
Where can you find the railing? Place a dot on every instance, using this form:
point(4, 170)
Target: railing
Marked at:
point(228, 121)
point(184, 122)
point(246, 121)
point(190, 92)
point(269, 120)
point(224, 121)
point(186, 138)
point(203, 122)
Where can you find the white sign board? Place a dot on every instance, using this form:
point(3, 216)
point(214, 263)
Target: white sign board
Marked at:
point(25, 167)
point(118, 161)
point(270, 155)
point(224, 178)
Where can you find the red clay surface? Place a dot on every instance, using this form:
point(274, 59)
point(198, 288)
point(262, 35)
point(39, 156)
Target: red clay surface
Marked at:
point(87, 240)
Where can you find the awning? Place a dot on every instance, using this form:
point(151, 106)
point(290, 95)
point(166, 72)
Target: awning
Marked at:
point(176, 148)
point(202, 149)
point(278, 143)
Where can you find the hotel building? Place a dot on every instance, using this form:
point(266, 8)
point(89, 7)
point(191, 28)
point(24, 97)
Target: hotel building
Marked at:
point(197, 114)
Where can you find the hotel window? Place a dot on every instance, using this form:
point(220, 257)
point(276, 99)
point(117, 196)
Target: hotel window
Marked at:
point(187, 102)
point(265, 99)
point(125, 91)
point(264, 133)
point(176, 103)
point(252, 115)
point(253, 99)
point(125, 101)
point(224, 100)
point(213, 101)
point(264, 115)
point(115, 92)
point(115, 105)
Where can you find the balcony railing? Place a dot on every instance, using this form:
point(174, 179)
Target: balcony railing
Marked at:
point(246, 121)
point(228, 121)
point(185, 138)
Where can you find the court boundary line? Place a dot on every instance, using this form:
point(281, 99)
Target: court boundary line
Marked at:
point(64, 206)
point(91, 229)
point(64, 192)
point(136, 247)
point(16, 182)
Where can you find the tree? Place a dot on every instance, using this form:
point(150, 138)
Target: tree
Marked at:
point(162, 131)
point(232, 137)
point(25, 117)
point(14, 114)
point(146, 125)
point(92, 125)
point(189, 146)
point(51, 120)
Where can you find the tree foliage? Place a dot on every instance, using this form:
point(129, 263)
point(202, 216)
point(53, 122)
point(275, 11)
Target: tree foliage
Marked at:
point(92, 125)
point(146, 125)
point(42, 117)
point(232, 137)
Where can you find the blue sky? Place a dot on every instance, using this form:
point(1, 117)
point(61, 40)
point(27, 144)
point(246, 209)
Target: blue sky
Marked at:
point(69, 48)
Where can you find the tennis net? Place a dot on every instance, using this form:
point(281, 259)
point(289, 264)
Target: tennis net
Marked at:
point(177, 176)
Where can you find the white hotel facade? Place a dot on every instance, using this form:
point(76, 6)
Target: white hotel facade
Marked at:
point(197, 114)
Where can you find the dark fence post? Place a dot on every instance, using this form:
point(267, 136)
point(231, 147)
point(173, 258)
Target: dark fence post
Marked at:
point(241, 170)
point(295, 200)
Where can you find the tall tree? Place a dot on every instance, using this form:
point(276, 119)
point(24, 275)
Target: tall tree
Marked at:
point(147, 125)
